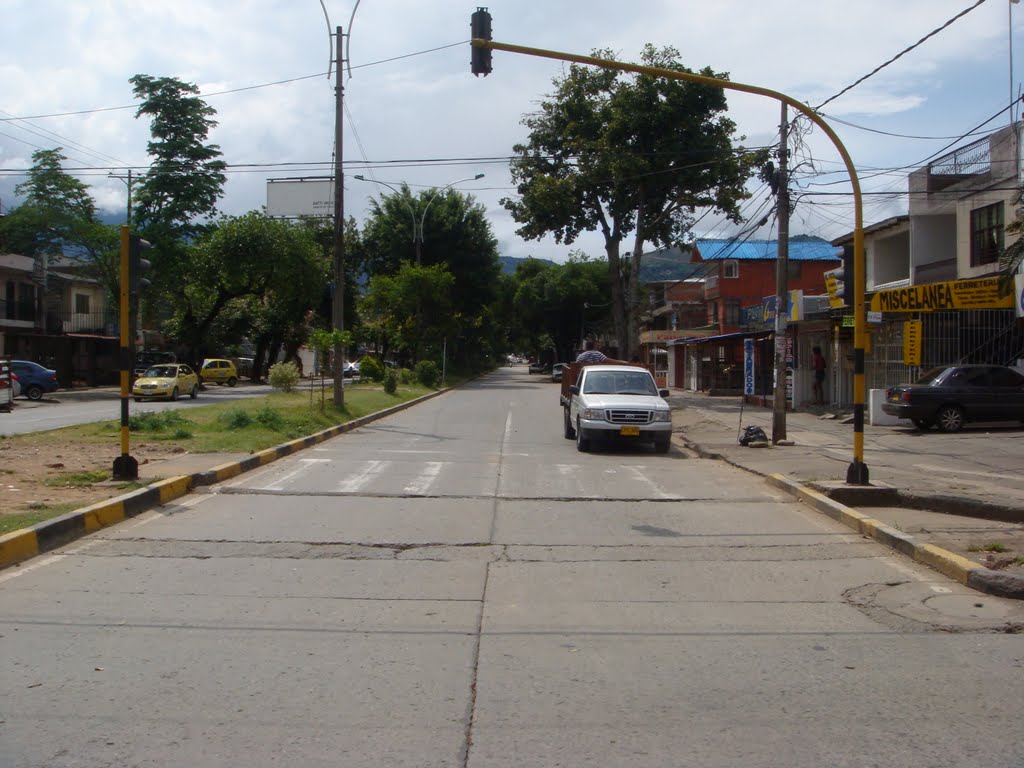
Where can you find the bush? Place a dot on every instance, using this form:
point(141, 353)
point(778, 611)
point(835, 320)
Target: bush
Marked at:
point(405, 376)
point(270, 419)
point(391, 381)
point(371, 368)
point(283, 376)
point(157, 421)
point(427, 373)
point(235, 418)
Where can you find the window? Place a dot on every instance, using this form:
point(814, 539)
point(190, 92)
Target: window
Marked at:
point(1005, 377)
point(26, 301)
point(732, 312)
point(986, 234)
point(82, 303)
point(730, 268)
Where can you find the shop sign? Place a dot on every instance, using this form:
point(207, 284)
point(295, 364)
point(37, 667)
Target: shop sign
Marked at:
point(848, 321)
point(982, 293)
point(1018, 282)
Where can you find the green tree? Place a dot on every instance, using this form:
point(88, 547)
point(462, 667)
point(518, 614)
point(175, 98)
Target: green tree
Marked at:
point(552, 302)
point(628, 155)
point(249, 256)
point(455, 234)
point(412, 309)
point(177, 198)
point(58, 215)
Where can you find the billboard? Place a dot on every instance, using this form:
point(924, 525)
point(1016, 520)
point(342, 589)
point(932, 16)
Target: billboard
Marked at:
point(290, 198)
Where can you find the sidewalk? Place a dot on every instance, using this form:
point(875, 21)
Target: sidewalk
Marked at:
point(959, 492)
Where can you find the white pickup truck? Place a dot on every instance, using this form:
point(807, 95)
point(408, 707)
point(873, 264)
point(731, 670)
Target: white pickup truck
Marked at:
point(621, 402)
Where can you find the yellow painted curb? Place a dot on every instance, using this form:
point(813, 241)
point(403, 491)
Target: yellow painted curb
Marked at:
point(18, 545)
point(942, 560)
point(173, 488)
point(101, 515)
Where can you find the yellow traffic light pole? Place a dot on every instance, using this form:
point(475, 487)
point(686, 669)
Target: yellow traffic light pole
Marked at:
point(857, 472)
point(125, 466)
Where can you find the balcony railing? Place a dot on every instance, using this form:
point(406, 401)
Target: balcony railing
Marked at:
point(971, 160)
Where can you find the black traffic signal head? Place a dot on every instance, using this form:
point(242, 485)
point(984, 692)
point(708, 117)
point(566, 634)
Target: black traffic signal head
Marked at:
point(137, 266)
point(480, 24)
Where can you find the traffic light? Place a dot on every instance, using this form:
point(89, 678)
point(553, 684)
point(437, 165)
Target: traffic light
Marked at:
point(137, 265)
point(480, 24)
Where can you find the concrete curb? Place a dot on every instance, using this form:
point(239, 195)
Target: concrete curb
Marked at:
point(956, 567)
point(26, 543)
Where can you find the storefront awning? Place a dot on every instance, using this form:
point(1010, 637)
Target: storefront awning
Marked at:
point(720, 337)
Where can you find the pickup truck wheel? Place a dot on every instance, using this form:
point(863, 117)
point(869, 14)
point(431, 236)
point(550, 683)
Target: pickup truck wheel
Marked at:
point(582, 444)
point(662, 445)
point(569, 432)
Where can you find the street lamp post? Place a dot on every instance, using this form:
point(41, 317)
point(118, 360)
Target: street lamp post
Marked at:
point(417, 231)
point(423, 218)
point(399, 194)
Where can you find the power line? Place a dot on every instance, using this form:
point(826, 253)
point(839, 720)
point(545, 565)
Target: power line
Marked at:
point(235, 90)
point(906, 50)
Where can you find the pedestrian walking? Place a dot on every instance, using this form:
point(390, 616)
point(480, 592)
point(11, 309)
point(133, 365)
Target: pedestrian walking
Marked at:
point(818, 363)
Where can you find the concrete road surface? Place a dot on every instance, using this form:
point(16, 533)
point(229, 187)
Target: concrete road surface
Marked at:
point(456, 585)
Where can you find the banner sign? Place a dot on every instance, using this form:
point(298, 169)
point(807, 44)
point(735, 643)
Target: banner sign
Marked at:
point(834, 286)
point(1018, 281)
point(748, 366)
point(982, 293)
point(912, 331)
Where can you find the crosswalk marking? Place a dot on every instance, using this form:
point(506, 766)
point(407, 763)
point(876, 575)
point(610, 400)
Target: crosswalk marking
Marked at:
point(422, 482)
point(354, 482)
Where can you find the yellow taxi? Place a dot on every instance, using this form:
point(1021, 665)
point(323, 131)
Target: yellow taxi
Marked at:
point(169, 380)
point(219, 371)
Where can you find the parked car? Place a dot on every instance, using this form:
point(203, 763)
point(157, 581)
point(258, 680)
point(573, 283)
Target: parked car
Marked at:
point(10, 388)
point(219, 372)
point(951, 396)
point(350, 370)
point(168, 381)
point(36, 380)
point(537, 367)
point(556, 371)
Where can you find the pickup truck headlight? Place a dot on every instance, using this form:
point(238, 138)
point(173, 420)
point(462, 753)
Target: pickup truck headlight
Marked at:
point(593, 414)
point(663, 416)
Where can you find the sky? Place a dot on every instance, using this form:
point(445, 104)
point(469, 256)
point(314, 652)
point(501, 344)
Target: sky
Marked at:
point(415, 114)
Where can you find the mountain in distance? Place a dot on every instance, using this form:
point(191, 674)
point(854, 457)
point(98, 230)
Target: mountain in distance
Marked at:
point(509, 263)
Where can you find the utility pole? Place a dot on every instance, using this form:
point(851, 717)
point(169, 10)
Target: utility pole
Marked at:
point(781, 286)
point(338, 303)
point(128, 181)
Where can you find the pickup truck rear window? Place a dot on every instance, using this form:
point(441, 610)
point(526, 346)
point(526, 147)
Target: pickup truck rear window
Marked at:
point(630, 383)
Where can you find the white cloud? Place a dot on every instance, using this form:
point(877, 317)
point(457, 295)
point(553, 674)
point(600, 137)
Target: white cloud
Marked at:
point(63, 57)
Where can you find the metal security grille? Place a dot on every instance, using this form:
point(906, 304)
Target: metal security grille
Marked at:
point(949, 338)
point(623, 416)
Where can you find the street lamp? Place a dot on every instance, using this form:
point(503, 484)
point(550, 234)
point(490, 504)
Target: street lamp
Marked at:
point(401, 196)
point(423, 218)
point(417, 232)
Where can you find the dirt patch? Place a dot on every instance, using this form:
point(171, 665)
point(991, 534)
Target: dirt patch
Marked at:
point(39, 474)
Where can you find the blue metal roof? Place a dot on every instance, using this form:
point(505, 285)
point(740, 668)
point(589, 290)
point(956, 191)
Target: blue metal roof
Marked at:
point(799, 250)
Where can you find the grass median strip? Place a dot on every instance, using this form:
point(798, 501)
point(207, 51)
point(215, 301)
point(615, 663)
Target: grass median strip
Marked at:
point(47, 474)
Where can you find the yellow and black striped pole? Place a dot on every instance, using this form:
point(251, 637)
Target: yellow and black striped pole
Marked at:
point(857, 472)
point(125, 467)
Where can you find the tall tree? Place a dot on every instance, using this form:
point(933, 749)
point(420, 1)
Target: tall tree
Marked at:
point(456, 235)
point(410, 310)
point(247, 256)
point(177, 197)
point(628, 155)
point(58, 215)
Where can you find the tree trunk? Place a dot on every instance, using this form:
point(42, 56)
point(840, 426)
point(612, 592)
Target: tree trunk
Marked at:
point(615, 284)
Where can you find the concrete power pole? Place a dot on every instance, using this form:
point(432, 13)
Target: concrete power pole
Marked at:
point(781, 286)
point(338, 303)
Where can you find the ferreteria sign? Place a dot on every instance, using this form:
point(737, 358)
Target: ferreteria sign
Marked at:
point(982, 293)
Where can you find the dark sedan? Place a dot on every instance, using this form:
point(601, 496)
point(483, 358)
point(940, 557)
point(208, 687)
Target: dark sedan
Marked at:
point(953, 395)
point(36, 380)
